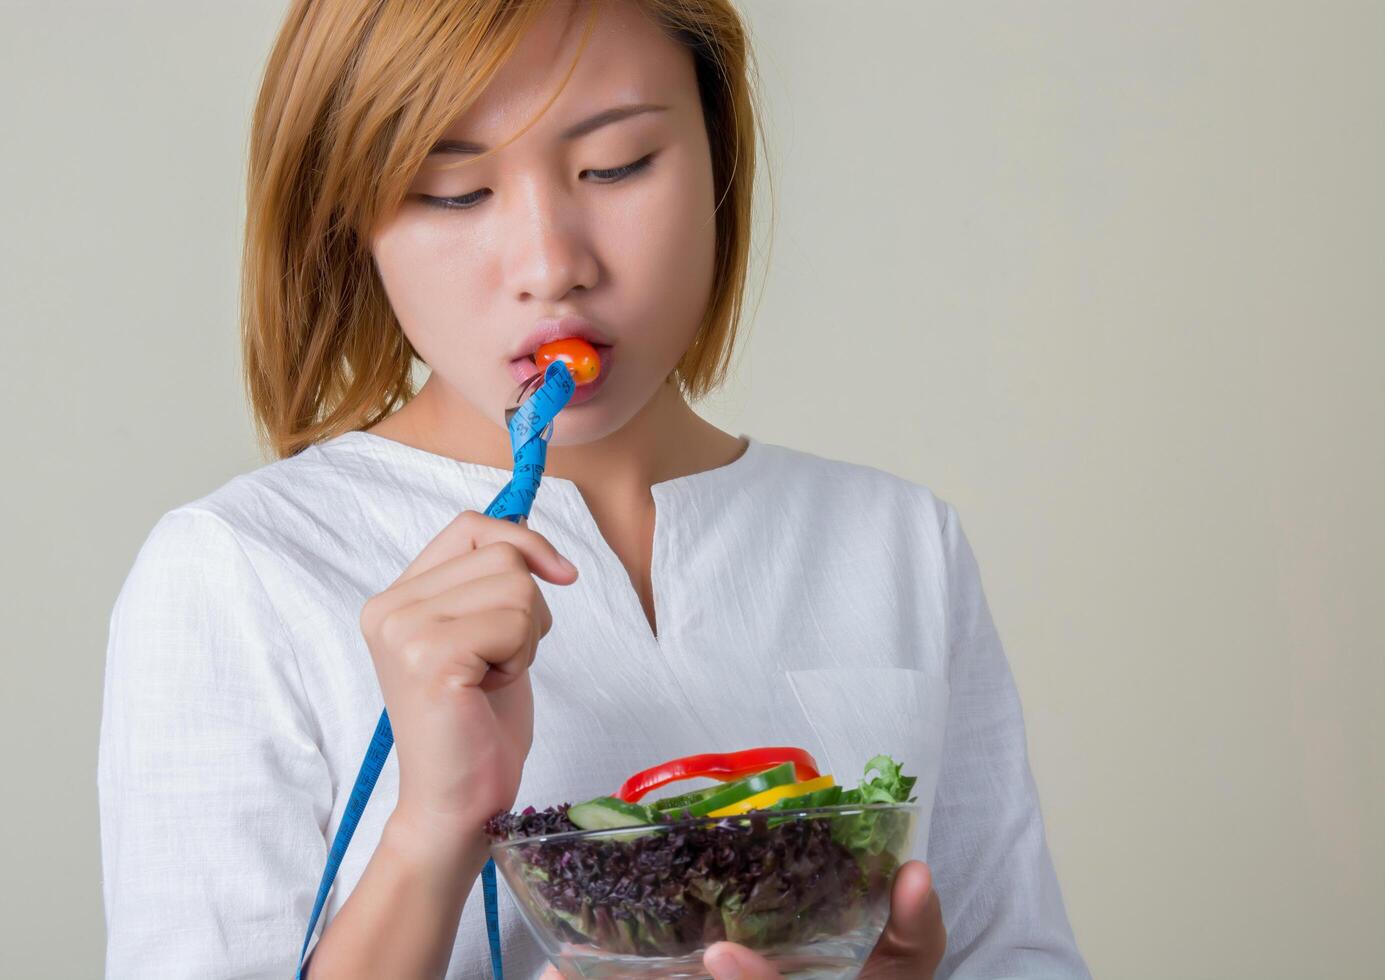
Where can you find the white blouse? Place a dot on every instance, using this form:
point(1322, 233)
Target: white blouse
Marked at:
point(799, 601)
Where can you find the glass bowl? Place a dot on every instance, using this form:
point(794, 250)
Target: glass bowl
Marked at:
point(807, 889)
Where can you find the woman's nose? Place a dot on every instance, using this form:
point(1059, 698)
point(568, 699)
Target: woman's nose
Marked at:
point(550, 250)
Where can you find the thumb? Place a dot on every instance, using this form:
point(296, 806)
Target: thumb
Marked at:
point(915, 928)
point(731, 961)
point(544, 558)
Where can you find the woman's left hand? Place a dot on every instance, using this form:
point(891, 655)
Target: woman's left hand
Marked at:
point(910, 948)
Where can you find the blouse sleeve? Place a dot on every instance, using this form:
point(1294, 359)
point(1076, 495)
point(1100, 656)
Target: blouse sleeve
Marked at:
point(991, 867)
point(213, 792)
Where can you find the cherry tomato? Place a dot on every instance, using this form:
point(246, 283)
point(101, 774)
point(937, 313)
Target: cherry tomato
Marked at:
point(581, 358)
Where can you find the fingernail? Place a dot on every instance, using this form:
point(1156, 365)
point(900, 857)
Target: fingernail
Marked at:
point(724, 964)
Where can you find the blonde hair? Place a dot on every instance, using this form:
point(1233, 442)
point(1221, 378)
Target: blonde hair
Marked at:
point(354, 94)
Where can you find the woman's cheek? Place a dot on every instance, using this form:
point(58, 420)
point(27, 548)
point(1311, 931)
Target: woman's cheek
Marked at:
point(682, 260)
point(420, 262)
point(668, 240)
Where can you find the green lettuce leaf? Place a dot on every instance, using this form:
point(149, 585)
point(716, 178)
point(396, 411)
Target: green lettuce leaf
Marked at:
point(891, 786)
point(868, 835)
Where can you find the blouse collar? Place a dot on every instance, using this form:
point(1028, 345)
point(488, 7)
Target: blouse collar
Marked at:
point(738, 468)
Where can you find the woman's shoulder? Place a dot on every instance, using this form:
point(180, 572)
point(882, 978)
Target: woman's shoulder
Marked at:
point(320, 485)
point(204, 592)
point(280, 506)
point(235, 502)
point(799, 479)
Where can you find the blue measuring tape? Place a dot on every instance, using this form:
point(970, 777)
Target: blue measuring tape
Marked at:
point(529, 444)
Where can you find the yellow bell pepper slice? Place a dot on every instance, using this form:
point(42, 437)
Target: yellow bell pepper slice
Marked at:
point(761, 800)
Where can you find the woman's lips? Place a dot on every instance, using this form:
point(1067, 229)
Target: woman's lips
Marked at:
point(524, 368)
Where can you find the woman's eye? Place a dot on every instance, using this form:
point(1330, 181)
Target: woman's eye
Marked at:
point(461, 202)
point(620, 173)
point(465, 201)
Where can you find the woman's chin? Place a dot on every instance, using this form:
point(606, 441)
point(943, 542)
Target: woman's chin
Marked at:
point(589, 415)
point(581, 425)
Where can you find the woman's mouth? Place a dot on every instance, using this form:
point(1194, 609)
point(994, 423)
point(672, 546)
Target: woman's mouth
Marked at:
point(524, 368)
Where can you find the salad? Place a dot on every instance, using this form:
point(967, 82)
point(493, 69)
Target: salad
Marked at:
point(774, 854)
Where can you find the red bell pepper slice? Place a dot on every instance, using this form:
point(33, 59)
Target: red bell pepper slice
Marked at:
point(722, 766)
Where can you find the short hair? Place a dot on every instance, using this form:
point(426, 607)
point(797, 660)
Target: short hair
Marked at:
point(354, 94)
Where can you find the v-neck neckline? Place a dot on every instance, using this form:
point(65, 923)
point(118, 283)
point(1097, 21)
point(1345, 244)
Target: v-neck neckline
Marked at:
point(663, 493)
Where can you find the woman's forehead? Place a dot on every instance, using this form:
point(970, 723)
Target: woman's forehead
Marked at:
point(627, 60)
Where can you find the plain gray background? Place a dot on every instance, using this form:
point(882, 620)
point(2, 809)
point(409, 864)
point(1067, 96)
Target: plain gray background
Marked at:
point(1105, 275)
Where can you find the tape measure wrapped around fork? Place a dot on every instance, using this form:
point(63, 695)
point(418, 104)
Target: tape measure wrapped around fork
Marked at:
point(530, 427)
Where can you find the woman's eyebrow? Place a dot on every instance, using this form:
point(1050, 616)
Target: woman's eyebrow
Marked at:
point(571, 133)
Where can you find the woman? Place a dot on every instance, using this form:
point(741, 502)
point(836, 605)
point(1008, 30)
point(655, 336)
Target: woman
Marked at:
point(459, 182)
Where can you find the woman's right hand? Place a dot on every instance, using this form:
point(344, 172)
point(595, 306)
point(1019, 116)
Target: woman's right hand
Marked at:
point(452, 639)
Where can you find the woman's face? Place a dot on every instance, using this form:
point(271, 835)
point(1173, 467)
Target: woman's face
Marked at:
point(609, 222)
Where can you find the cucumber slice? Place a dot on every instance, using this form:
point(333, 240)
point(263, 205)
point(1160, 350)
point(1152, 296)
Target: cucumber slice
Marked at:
point(780, 775)
point(688, 799)
point(607, 812)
